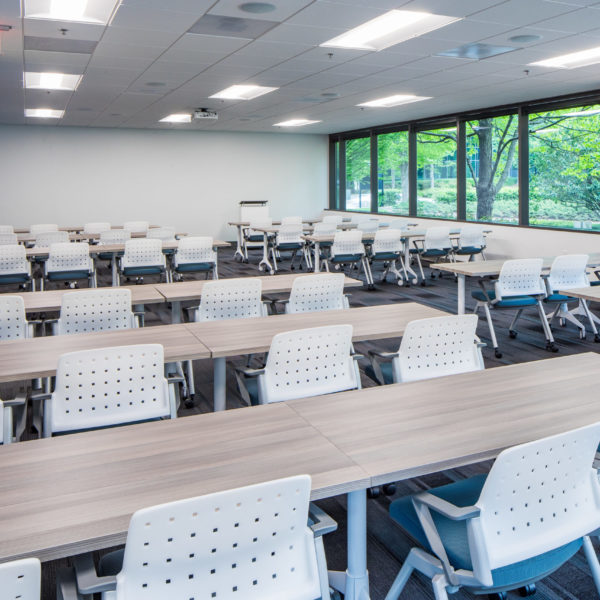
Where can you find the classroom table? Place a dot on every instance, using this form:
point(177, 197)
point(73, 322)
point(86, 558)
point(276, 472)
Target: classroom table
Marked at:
point(486, 269)
point(74, 228)
point(24, 238)
point(176, 293)
point(76, 493)
point(236, 337)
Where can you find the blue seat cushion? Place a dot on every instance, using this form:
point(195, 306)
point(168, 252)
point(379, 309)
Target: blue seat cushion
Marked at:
point(432, 252)
point(385, 256)
point(252, 387)
point(139, 271)
point(595, 282)
point(109, 255)
point(513, 302)
point(290, 246)
point(559, 298)
point(255, 238)
point(193, 267)
point(469, 250)
point(67, 275)
point(14, 278)
point(346, 258)
point(454, 536)
point(386, 370)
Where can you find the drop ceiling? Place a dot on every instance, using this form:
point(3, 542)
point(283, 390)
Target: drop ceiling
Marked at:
point(147, 64)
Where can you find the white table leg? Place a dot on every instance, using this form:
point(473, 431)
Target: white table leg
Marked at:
point(238, 249)
point(113, 267)
point(317, 257)
point(461, 294)
point(411, 273)
point(265, 259)
point(219, 393)
point(176, 311)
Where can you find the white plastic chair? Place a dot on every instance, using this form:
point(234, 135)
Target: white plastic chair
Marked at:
point(253, 238)
point(70, 262)
point(530, 515)
point(6, 229)
point(569, 272)
point(166, 234)
point(114, 236)
point(96, 228)
point(335, 219)
point(430, 348)
point(21, 579)
point(322, 291)
point(324, 228)
point(250, 543)
point(387, 247)
point(368, 226)
point(291, 221)
point(471, 242)
point(348, 248)
point(436, 245)
point(102, 309)
point(43, 228)
point(13, 319)
point(519, 286)
point(8, 239)
point(107, 387)
point(289, 239)
point(136, 226)
point(143, 257)
point(303, 363)
point(14, 266)
point(231, 299)
point(46, 238)
point(196, 254)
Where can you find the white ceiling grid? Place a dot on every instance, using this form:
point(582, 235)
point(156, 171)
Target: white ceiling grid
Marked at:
point(145, 65)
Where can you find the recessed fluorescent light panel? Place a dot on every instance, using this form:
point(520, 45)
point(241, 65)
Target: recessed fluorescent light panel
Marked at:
point(243, 92)
point(571, 61)
point(44, 113)
point(81, 11)
point(295, 123)
point(389, 29)
point(51, 81)
point(396, 100)
point(177, 118)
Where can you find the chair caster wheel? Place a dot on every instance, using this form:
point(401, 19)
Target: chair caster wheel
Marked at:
point(528, 590)
point(551, 347)
point(245, 261)
point(292, 268)
point(189, 402)
point(389, 489)
point(423, 283)
point(497, 353)
point(498, 596)
point(432, 276)
point(374, 492)
point(371, 287)
point(512, 334)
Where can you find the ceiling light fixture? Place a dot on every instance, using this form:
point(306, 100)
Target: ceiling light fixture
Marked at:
point(574, 60)
point(80, 11)
point(389, 29)
point(257, 8)
point(525, 38)
point(44, 113)
point(177, 118)
point(295, 123)
point(51, 81)
point(243, 92)
point(395, 100)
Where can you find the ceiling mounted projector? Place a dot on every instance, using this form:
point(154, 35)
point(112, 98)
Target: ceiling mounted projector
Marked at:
point(202, 113)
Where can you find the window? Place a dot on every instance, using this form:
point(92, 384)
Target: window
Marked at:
point(392, 177)
point(564, 168)
point(334, 175)
point(436, 175)
point(358, 174)
point(492, 170)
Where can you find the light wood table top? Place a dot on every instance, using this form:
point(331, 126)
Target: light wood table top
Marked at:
point(67, 495)
point(586, 293)
point(271, 284)
point(246, 336)
point(51, 300)
point(21, 360)
point(78, 237)
point(73, 228)
point(405, 430)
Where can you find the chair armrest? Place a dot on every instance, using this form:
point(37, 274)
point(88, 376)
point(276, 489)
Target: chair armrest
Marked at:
point(356, 356)
point(240, 373)
point(88, 581)
point(40, 397)
point(18, 400)
point(66, 585)
point(383, 355)
point(172, 379)
point(481, 344)
point(445, 508)
point(248, 372)
point(321, 523)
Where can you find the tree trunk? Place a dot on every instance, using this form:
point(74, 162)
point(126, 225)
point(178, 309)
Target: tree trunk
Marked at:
point(486, 192)
point(404, 175)
point(432, 176)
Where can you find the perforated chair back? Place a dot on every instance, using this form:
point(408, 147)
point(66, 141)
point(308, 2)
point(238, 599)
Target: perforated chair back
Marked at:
point(387, 241)
point(536, 498)
point(290, 234)
point(520, 277)
point(96, 228)
point(6, 229)
point(254, 211)
point(436, 347)
point(101, 309)
point(43, 228)
point(7, 239)
point(143, 252)
point(437, 238)
point(65, 256)
point(136, 226)
point(13, 321)
point(114, 236)
point(21, 579)
point(368, 226)
point(569, 272)
point(322, 291)
point(324, 228)
point(471, 236)
point(335, 219)
point(195, 249)
point(13, 259)
point(161, 233)
point(231, 299)
point(347, 243)
point(263, 222)
point(309, 362)
point(47, 238)
point(291, 221)
point(108, 386)
point(251, 542)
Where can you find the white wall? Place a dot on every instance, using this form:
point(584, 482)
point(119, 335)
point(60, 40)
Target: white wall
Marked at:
point(518, 242)
point(193, 180)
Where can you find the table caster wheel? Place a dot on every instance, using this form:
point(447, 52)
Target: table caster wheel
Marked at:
point(512, 334)
point(374, 492)
point(497, 353)
point(551, 347)
point(528, 590)
point(189, 402)
point(389, 489)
